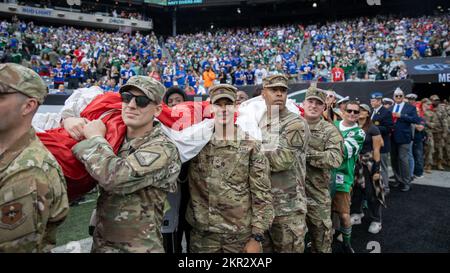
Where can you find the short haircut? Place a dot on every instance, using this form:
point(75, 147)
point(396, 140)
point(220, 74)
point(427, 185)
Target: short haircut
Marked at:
point(352, 102)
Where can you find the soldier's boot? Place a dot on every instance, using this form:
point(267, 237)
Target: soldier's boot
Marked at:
point(427, 168)
point(439, 166)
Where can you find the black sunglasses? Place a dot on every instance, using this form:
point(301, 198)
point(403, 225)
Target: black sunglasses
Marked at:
point(399, 96)
point(350, 111)
point(141, 101)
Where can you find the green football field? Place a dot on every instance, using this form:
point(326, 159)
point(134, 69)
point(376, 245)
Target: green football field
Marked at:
point(76, 225)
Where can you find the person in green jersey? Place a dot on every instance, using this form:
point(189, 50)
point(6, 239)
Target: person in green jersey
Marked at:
point(343, 176)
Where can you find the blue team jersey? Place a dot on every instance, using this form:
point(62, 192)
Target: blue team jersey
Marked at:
point(250, 77)
point(167, 80)
point(65, 65)
point(237, 76)
point(73, 72)
point(159, 54)
point(287, 56)
point(58, 76)
point(308, 76)
point(235, 61)
point(292, 68)
point(126, 74)
point(181, 81)
point(192, 81)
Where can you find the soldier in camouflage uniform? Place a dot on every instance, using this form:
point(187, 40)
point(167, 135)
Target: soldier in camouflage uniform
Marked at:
point(447, 144)
point(231, 202)
point(440, 131)
point(430, 123)
point(135, 182)
point(285, 139)
point(33, 197)
point(324, 154)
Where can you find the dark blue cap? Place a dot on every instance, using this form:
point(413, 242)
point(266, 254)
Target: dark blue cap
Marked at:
point(376, 95)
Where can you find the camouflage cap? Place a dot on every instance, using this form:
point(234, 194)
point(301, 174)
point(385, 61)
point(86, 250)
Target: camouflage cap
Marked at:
point(24, 80)
point(315, 93)
point(435, 97)
point(223, 91)
point(152, 88)
point(275, 81)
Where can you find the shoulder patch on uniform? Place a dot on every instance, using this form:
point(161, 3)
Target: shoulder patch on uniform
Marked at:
point(296, 139)
point(145, 158)
point(12, 216)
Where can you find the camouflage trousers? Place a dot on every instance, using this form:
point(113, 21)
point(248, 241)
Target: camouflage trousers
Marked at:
point(209, 242)
point(101, 245)
point(318, 219)
point(439, 144)
point(428, 150)
point(287, 234)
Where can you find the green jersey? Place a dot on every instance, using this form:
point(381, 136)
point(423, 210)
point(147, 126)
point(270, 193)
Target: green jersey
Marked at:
point(353, 141)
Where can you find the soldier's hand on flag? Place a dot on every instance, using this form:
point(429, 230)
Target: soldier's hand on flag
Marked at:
point(74, 126)
point(94, 128)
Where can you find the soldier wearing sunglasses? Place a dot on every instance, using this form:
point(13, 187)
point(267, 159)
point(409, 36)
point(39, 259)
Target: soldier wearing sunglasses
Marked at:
point(135, 182)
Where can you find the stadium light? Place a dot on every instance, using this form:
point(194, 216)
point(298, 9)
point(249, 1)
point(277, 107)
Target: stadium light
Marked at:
point(314, 5)
point(238, 10)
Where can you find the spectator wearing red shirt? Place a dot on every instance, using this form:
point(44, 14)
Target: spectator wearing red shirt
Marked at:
point(337, 73)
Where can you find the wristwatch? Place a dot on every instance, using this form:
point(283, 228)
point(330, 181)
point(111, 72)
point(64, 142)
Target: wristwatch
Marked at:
point(258, 237)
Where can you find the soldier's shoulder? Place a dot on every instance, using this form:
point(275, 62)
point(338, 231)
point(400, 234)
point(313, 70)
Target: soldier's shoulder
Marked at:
point(295, 122)
point(161, 140)
point(327, 130)
point(35, 155)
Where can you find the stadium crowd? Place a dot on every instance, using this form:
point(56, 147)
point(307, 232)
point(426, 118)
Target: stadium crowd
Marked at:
point(351, 50)
point(339, 141)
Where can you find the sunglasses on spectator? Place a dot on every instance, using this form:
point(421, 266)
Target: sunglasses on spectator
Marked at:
point(352, 111)
point(141, 101)
point(399, 96)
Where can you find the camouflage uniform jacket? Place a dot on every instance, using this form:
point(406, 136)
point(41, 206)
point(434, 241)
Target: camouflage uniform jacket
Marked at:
point(285, 142)
point(33, 197)
point(442, 125)
point(431, 121)
point(230, 188)
point(134, 186)
point(325, 152)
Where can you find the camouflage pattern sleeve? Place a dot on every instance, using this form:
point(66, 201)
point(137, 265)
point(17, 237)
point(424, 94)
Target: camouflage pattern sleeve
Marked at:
point(59, 207)
point(40, 206)
point(156, 165)
point(332, 156)
point(291, 142)
point(260, 188)
point(445, 126)
point(430, 119)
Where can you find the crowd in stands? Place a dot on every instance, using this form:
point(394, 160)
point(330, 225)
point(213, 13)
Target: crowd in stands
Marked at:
point(86, 7)
point(351, 50)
